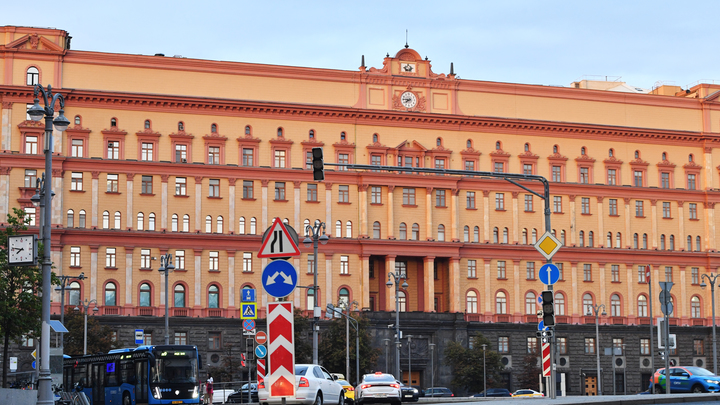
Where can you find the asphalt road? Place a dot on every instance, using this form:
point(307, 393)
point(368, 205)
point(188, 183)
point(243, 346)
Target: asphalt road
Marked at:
point(699, 399)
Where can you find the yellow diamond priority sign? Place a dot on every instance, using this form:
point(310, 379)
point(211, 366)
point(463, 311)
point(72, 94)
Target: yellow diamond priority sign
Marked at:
point(548, 245)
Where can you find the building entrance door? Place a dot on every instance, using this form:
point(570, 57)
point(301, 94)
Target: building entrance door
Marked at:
point(415, 378)
point(590, 385)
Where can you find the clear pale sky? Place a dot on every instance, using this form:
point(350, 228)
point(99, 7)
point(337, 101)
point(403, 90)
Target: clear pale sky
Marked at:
point(517, 41)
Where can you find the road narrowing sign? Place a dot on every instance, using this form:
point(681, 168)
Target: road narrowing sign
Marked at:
point(278, 242)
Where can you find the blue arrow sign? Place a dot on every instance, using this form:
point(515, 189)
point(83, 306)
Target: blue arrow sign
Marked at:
point(549, 274)
point(541, 326)
point(279, 278)
point(248, 295)
point(260, 351)
point(33, 364)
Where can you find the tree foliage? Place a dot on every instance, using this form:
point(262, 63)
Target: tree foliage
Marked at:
point(229, 368)
point(303, 348)
point(20, 289)
point(529, 374)
point(99, 337)
point(467, 365)
point(333, 346)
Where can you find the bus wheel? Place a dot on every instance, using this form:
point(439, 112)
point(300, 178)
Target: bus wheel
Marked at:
point(126, 400)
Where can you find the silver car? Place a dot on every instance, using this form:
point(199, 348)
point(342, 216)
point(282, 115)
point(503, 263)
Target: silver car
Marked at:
point(313, 386)
point(378, 387)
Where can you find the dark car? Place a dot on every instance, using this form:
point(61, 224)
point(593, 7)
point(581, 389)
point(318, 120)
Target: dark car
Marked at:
point(241, 395)
point(495, 392)
point(439, 392)
point(408, 393)
point(421, 392)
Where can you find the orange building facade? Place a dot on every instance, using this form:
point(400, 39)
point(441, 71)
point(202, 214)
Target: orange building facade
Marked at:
point(196, 158)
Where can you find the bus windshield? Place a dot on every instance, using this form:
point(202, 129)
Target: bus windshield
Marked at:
point(175, 367)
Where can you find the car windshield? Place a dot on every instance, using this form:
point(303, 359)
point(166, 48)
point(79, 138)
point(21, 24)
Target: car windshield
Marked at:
point(379, 378)
point(343, 382)
point(698, 371)
point(524, 392)
point(176, 367)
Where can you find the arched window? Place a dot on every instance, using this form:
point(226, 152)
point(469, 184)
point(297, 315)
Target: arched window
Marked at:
point(466, 233)
point(181, 126)
point(140, 221)
point(33, 76)
point(213, 296)
point(615, 309)
point(562, 237)
point(500, 303)
point(645, 245)
point(635, 241)
point(697, 243)
point(348, 229)
point(106, 220)
point(253, 226)
point(671, 246)
point(637, 154)
point(611, 152)
point(147, 124)
point(496, 235)
point(534, 236)
point(581, 238)
point(219, 224)
point(402, 300)
point(468, 144)
point(186, 223)
point(441, 233)
point(375, 138)
point(591, 239)
point(174, 223)
point(555, 149)
point(498, 145)
point(179, 296)
point(471, 302)
point(608, 241)
point(438, 142)
point(77, 120)
point(415, 235)
point(376, 230)
point(311, 134)
point(70, 218)
point(113, 122)
point(505, 235)
point(248, 131)
point(530, 303)
point(689, 243)
point(618, 240)
point(559, 303)
point(241, 226)
point(524, 236)
point(310, 302)
point(403, 231)
point(110, 294)
point(476, 234)
point(208, 224)
point(338, 229)
point(213, 128)
point(279, 132)
point(151, 221)
point(664, 156)
point(662, 242)
point(306, 224)
point(690, 158)
point(145, 295)
point(117, 221)
point(344, 297)
point(527, 147)
point(74, 293)
point(582, 151)
point(81, 219)
point(642, 306)
point(695, 307)
point(343, 136)
point(588, 304)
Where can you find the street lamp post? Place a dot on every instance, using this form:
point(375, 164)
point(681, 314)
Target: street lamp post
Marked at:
point(393, 279)
point(484, 346)
point(332, 309)
point(712, 278)
point(36, 113)
point(387, 345)
point(86, 307)
point(313, 236)
point(596, 308)
point(432, 366)
point(166, 267)
point(409, 340)
point(63, 283)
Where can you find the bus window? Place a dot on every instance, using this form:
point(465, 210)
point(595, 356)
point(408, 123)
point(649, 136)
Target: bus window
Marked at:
point(141, 384)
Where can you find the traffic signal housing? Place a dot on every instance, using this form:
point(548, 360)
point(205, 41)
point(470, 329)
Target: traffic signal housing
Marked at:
point(318, 165)
point(548, 307)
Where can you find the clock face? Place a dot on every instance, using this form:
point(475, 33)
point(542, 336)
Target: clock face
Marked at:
point(408, 99)
point(21, 249)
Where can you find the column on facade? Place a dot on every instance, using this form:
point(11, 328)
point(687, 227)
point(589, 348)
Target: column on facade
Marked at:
point(573, 295)
point(164, 202)
point(515, 217)
point(328, 207)
point(296, 211)
point(95, 196)
point(129, 288)
point(454, 215)
point(363, 210)
point(709, 169)
point(573, 221)
point(654, 222)
point(628, 233)
point(329, 296)
point(428, 214)
point(198, 203)
point(6, 119)
point(365, 284)
point(429, 283)
point(298, 291)
point(683, 295)
point(231, 205)
point(631, 299)
point(264, 216)
point(390, 296)
point(454, 293)
point(56, 255)
point(655, 279)
point(488, 291)
point(603, 289)
point(681, 225)
point(390, 211)
point(198, 280)
point(129, 207)
point(517, 298)
point(709, 226)
point(602, 238)
point(231, 254)
point(57, 135)
point(486, 215)
point(57, 203)
point(5, 191)
point(94, 273)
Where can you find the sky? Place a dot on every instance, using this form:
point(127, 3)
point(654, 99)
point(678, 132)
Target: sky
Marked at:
point(643, 43)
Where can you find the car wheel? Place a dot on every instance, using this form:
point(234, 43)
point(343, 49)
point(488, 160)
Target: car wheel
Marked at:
point(126, 400)
point(318, 399)
point(697, 389)
point(341, 400)
point(658, 389)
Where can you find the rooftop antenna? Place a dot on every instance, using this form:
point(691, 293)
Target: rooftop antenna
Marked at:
point(406, 39)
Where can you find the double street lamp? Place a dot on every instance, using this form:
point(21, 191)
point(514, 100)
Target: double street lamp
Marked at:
point(86, 307)
point(394, 279)
point(314, 234)
point(63, 283)
point(166, 267)
point(596, 308)
point(712, 278)
point(36, 113)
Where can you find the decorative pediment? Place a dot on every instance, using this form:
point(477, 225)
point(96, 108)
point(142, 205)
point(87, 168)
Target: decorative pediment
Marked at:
point(114, 131)
point(344, 144)
point(215, 137)
point(499, 153)
point(666, 163)
point(692, 166)
point(34, 42)
point(248, 139)
point(612, 160)
point(30, 125)
point(282, 141)
point(409, 146)
point(470, 151)
point(147, 132)
point(528, 155)
point(638, 162)
point(584, 158)
point(557, 156)
point(78, 129)
point(312, 142)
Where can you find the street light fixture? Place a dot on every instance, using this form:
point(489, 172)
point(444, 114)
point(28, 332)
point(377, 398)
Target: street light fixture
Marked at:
point(387, 345)
point(432, 368)
point(393, 279)
point(36, 113)
point(712, 278)
point(86, 306)
point(484, 346)
point(63, 283)
point(312, 237)
point(166, 267)
point(596, 308)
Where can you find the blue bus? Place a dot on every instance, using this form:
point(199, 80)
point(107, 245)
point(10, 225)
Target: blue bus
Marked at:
point(163, 374)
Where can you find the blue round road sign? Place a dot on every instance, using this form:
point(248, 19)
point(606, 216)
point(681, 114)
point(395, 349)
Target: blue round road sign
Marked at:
point(260, 351)
point(279, 278)
point(549, 274)
point(541, 326)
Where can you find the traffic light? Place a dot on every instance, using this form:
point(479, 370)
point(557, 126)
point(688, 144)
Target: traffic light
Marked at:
point(318, 166)
point(548, 308)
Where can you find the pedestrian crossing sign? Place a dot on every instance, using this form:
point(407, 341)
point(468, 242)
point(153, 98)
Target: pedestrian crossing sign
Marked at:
point(248, 310)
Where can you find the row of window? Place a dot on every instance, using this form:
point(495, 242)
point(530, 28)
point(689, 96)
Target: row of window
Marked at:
point(501, 266)
point(590, 345)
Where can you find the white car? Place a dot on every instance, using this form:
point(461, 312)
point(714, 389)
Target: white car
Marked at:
point(378, 387)
point(313, 386)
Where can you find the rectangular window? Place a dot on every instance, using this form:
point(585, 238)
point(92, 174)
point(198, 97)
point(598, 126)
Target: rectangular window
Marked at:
point(147, 337)
point(408, 196)
point(31, 145)
point(641, 274)
point(644, 346)
point(639, 209)
point(587, 272)
point(528, 203)
point(180, 186)
point(401, 268)
point(665, 180)
point(470, 165)
point(312, 192)
point(501, 269)
point(612, 177)
point(585, 205)
point(110, 257)
point(344, 265)
point(470, 199)
point(527, 169)
point(440, 198)
point(343, 158)
point(439, 163)
point(248, 189)
point(76, 181)
point(499, 201)
point(147, 185)
point(112, 183)
point(666, 210)
point(375, 195)
point(615, 271)
point(75, 256)
point(530, 270)
point(113, 151)
point(247, 157)
point(146, 151)
point(556, 173)
point(560, 267)
point(557, 204)
point(311, 264)
point(214, 155)
point(247, 262)
point(695, 271)
point(584, 175)
point(698, 347)
point(376, 160)
point(214, 261)
point(213, 340)
point(668, 273)
point(638, 178)
point(472, 268)
point(145, 260)
point(499, 167)
point(180, 338)
point(214, 190)
point(613, 206)
point(280, 158)
point(692, 210)
point(279, 191)
point(180, 153)
point(180, 259)
point(503, 344)
point(344, 194)
point(691, 182)
point(30, 178)
point(77, 148)
point(532, 345)
point(589, 345)
point(27, 341)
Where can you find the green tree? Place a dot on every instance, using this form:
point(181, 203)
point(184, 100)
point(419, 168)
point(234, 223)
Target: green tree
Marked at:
point(229, 367)
point(20, 289)
point(99, 337)
point(303, 348)
point(528, 377)
point(333, 345)
point(467, 365)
